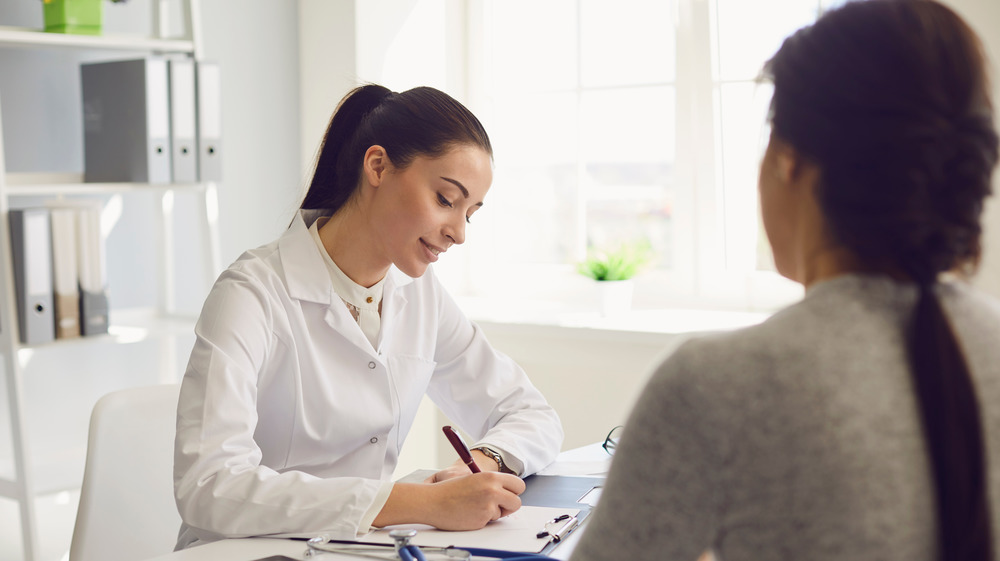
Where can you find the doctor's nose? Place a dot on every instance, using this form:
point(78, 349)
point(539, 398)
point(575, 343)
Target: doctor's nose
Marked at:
point(455, 232)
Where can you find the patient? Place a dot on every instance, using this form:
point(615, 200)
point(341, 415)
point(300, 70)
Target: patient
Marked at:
point(862, 422)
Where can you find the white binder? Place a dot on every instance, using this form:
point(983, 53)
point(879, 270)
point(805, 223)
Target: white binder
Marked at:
point(183, 149)
point(92, 271)
point(126, 121)
point(31, 249)
point(209, 110)
point(65, 278)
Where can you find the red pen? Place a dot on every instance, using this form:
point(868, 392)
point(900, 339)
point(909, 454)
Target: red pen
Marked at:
point(459, 445)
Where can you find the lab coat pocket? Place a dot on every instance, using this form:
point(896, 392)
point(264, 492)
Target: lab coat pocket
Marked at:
point(409, 377)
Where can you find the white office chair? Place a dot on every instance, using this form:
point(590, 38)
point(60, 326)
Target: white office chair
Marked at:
point(127, 510)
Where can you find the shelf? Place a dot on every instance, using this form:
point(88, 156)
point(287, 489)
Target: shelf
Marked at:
point(34, 184)
point(127, 326)
point(33, 38)
point(142, 347)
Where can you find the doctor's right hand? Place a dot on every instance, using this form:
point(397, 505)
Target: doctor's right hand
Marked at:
point(469, 502)
point(462, 503)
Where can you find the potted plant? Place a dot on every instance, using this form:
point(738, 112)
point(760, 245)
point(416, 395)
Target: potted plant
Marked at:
point(613, 269)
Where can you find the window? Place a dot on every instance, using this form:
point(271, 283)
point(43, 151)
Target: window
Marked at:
point(624, 121)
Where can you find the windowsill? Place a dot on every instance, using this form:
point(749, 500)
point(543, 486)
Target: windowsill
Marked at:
point(558, 314)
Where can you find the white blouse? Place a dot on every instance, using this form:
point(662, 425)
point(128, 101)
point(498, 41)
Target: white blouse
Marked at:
point(363, 303)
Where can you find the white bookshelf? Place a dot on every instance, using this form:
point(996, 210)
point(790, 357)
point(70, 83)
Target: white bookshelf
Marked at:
point(29, 472)
point(33, 39)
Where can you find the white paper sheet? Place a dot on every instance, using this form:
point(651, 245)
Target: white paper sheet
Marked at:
point(516, 532)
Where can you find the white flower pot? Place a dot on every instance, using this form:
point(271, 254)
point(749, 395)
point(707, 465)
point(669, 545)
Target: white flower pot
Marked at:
point(615, 297)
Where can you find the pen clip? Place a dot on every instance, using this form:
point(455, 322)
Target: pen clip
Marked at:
point(562, 532)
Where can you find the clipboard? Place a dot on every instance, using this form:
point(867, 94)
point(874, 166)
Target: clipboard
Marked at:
point(559, 490)
point(519, 531)
point(566, 492)
point(540, 490)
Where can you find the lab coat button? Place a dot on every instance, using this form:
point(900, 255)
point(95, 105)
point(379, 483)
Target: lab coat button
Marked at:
point(374, 440)
point(371, 365)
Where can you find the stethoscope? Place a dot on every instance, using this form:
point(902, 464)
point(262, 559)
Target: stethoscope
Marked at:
point(406, 551)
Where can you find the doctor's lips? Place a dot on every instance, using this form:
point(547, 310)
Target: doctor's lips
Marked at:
point(435, 250)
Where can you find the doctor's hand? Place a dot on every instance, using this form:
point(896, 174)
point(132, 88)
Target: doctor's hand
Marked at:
point(460, 503)
point(470, 502)
point(458, 469)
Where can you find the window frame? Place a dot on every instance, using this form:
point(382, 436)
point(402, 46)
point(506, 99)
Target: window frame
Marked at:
point(700, 276)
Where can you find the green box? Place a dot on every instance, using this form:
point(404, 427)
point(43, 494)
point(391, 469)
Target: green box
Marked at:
point(73, 16)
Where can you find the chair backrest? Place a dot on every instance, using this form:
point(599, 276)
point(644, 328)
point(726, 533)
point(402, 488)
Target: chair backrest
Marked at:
point(127, 509)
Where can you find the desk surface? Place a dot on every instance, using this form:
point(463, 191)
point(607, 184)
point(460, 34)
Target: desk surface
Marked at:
point(587, 460)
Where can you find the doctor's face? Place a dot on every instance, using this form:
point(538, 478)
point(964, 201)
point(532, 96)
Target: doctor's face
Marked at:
point(423, 209)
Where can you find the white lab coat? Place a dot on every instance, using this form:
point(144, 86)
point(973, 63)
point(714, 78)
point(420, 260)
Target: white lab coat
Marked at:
point(289, 422)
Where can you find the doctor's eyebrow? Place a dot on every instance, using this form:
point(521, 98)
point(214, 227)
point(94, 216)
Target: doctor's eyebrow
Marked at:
point(458, 184)
point(465, 192)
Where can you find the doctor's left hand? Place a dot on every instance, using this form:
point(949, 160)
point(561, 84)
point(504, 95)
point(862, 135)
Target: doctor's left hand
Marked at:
point(459, 469)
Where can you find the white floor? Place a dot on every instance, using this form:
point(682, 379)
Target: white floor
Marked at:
point(56, 515)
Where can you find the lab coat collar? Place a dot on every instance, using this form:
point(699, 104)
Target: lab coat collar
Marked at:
point(305, 272)
point(393, 302)
point(307, 279)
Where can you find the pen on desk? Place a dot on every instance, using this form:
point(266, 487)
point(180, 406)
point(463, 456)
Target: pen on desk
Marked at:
point(559, 535)
point(459, 445)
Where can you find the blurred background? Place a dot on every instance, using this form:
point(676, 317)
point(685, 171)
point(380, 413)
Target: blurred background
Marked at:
point(634, 121)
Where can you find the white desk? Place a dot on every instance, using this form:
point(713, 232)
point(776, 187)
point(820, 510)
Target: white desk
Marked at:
point(587, 460)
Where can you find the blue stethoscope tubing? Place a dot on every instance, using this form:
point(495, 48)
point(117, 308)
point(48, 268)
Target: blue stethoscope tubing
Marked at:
point(503, 554)
point(413, 553)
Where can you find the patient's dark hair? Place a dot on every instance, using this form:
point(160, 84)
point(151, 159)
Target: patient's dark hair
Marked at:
point(418, 122)
point(890, 98)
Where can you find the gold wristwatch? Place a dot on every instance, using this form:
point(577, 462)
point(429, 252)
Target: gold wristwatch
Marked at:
point(495, 456)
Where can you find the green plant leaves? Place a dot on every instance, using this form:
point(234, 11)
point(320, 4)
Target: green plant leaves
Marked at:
point(619, 263)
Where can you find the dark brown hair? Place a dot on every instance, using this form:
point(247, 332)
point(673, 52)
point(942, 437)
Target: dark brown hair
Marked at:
point(891, 100)
point(418, 122)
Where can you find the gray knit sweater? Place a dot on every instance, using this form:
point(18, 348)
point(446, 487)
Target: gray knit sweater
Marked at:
point(795, 439)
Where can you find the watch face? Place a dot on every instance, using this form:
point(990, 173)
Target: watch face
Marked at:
point(494, 455)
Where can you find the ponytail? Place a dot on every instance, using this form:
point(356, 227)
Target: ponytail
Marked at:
point(334, 180)
point(951, 422)
point(418, 122)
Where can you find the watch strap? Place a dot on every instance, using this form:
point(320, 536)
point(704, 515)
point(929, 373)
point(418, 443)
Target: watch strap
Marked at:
point(495, 456)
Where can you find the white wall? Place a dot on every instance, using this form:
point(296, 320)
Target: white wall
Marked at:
point(590, 376)
point(256, 44)
point(984, 17)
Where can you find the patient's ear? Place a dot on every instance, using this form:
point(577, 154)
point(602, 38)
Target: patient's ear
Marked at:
point(787, 160)
point(793, 168)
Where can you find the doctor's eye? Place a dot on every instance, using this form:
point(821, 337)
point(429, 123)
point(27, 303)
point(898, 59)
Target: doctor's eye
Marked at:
point(443, 201)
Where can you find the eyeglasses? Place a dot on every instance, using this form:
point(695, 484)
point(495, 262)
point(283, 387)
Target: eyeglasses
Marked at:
point(611, 442)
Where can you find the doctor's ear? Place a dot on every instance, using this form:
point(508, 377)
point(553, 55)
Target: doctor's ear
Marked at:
point(375, 164)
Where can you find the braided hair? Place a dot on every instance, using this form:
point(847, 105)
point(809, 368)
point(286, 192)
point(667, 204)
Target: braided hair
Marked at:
point(890, 98)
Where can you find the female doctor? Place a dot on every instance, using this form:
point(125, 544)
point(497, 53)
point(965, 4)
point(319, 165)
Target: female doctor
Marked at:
point(313, 352)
